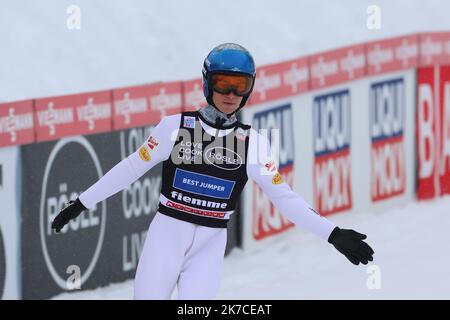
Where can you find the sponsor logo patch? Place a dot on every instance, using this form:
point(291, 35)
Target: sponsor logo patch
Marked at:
point(277, 179)
point(223, 158)
point(143, 154)
point(152, 143)
point(196, 211)
point(203, 184)
point(270, 166)
point(189, 122)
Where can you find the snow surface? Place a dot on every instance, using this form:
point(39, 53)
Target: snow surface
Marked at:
point(412, 253)
point(124, 43)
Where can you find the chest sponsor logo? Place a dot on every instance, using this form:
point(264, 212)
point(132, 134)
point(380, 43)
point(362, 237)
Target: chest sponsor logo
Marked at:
point(203, 184)
point(223, 158)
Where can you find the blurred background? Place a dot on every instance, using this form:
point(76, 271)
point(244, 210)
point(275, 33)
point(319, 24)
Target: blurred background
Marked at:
point(82, 83)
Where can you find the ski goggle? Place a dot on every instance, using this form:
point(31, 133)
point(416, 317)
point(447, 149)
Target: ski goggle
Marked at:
point(237, 83)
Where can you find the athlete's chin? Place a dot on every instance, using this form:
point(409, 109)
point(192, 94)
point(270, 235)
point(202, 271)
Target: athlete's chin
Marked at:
point(228, 108)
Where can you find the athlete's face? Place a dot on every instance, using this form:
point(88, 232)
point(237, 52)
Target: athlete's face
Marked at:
point(227, 103)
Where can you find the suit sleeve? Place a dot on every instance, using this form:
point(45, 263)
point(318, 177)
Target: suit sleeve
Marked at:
point(154, 150)
point(261, 168)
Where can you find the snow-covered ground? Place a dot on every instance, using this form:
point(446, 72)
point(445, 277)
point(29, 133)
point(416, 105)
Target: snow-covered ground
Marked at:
point(123, 43)
point(412, 259)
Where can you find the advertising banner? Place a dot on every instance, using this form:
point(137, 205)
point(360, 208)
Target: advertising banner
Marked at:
point(194, 97)
point(16, 123)
point(84, 113)
point(433, 131)
point(147, 104)
point(266, 219)
point(387, 122)
point(9, 223)
point(332, 142)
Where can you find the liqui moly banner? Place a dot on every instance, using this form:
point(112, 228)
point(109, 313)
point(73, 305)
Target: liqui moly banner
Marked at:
point(387, 109)
point(332, 142)
point(266, 219)
point(433, 131)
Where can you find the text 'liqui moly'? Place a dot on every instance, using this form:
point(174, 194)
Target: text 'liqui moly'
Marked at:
point(386, 131)
point(331, 141)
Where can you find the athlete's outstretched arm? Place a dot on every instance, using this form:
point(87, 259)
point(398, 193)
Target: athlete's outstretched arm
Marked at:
point(135, 165)
point(261, 169)
point(126, 171)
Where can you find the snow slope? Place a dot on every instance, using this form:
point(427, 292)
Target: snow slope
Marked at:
point(412, 253)
point(123, 43)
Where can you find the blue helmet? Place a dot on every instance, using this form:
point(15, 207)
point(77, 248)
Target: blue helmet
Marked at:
point(227, 58)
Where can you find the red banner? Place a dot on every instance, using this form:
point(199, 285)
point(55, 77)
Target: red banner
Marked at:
point(337, 66)
point(392, 54)
point(434, 48)
point(280, 80)
point(433, 131)
point(444, 108)
point(70, 115)
point(145, 105)
point(16, 123)
point(194, 97)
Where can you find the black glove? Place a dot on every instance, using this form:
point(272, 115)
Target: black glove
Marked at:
point(350, 243)
point(71, 211)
